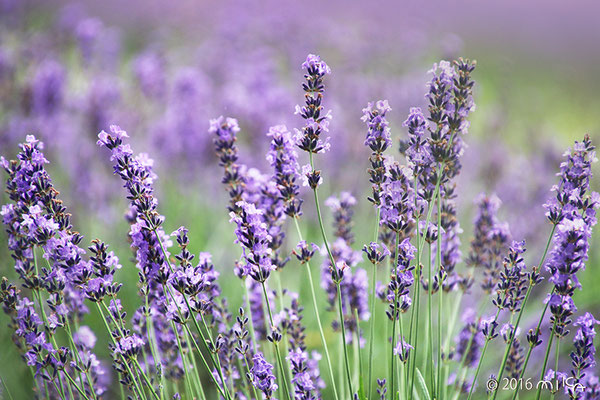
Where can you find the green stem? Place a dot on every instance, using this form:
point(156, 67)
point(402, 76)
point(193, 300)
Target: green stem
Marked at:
point(317, 314)
point(487, 341)
point(250, 322)
point(539, 391)
point(276, 345)
point(417, 291)
point(341, 314)
point(394, 317)
point(140, 393)
point(556, 365)
point(372, 306)
point(441, 293)
point(429, 353)
point(543, 313)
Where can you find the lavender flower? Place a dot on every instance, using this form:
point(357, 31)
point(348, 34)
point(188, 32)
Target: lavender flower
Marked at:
point(284, 161)
point(309, 138)
point(402, 350)
point(252, 234)
point(261, 376)
point(342, 209)
point(418, 150)
point(302, 380)
point(225, 130)
point(583, 357)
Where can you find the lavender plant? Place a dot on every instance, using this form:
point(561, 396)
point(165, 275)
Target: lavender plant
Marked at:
point(182, 340)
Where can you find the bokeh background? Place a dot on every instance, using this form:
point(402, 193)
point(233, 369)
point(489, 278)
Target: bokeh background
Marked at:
point(162, 69)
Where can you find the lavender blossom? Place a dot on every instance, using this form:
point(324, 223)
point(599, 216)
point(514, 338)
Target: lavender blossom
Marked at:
point(583, 357)
point(309, 138)
point(261, 376)
point(342, 209)
point(284, 161)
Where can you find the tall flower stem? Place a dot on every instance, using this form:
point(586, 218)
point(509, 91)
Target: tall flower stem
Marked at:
point(250, 322)
point(332, 260)
point(417, 291)
point(539, 391)
point(556, 365)
point(214, 359)
point(394, 317)
point(140, 393)
point(429, 352)
point(275, 344)
point(487, 341)
point(318, 316)
point(438, 385)
point(345, 347)
point(541, 263)
point(372, 305)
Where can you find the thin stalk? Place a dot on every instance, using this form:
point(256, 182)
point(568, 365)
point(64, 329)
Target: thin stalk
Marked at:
point(276, 345)
point(6, 389)
point(197, 381)
point(341, 314)
point(539, 391)
point(214, 358)
point(281, 307)
point(140, 393)
point(317, 314)
point(372, 307)
point(429, 353)
point(417, 291)
point(556, 365)
point(487, 341)
point(360, 364)
point(438, 386)
point(81, 392)
point(402, 383)
point(541, 263)
point(224, 389)
point(394, 317)
point(250, 322)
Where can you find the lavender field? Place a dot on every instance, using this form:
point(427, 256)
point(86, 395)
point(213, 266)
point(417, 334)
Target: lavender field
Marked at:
point(268, 200)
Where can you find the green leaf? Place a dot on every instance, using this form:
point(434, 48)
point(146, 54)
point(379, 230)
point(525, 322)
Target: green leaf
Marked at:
point(422, 386)
point(361, 389)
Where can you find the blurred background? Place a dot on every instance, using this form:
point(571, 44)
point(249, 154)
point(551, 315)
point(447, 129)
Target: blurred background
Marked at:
point(162, 69)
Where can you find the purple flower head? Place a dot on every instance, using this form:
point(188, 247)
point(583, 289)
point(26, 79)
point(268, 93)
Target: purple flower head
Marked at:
point(418, 151)
point(129, 346)
point(315, 66)
point(402, 350)
point(302, 379)
point(309, 138)
point(284, 161)
point(48, 88)
point(303, 252)
point(261, 375)
point(254, 237)
point(343, 211)
point(378, 134)
point(85, 338)
point(583, 357)
point(376, 253)
point(398, 200)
